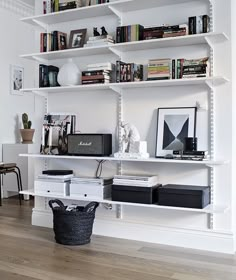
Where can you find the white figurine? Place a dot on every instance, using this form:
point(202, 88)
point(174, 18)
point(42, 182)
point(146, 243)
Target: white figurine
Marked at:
point(129, 136)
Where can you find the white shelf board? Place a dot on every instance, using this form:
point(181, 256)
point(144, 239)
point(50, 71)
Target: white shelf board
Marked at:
point(212, 81)
point(151, 160)
point(68, 53)
point(136, 5)
point(179, 41)
point(67, 89)
point(209, 209)
point(73, 14)
point(187, 40)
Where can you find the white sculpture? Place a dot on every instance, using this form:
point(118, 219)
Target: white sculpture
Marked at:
point(69, 74)
point(129, 136)
point(131, 146)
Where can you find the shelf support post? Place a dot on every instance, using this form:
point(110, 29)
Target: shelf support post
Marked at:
point(39, 23)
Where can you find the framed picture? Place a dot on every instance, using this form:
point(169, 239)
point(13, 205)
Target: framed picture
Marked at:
point(77, 38)
point(173, 125)
point(16, 79)
point(62, 41)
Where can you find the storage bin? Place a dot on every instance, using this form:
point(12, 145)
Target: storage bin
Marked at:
point(42, 186)
point(184, 196)
point(90, 191)
point(145, 195)
point(73, 227)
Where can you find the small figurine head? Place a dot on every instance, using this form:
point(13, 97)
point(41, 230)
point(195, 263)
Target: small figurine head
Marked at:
point(95, 32)
point(104, 32)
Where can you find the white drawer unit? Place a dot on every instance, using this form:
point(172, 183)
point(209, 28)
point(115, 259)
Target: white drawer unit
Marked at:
point(90, 191)
point(52, 187)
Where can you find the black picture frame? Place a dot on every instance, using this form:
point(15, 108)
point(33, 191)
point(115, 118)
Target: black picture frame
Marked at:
point(173, 125)
point(77, 38)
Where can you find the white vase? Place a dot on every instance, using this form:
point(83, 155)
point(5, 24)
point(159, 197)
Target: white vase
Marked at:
point(69, 74)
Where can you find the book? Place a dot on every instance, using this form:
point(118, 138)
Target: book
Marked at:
point(146, 178)
point(56, 127)
point(89, 180)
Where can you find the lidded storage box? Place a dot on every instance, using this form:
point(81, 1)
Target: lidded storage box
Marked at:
point(145, 195)
point(184, 196)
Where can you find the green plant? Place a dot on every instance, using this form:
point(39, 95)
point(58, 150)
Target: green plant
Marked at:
point(25, 120)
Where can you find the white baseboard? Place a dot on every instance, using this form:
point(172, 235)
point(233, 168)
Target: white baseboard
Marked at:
point(207, 240)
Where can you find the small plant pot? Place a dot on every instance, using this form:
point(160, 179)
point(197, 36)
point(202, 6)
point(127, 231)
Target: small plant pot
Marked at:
point(27, 135)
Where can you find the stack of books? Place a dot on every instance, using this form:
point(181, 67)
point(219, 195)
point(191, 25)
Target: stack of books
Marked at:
point(159, 69)
point(165, 31)
point(53, 41)
point(103, 40)
point(92, 181)
point(196, 68)
point(48, 75)
point(136, 181)
point(128, 72)
point(191, 155)
point(98, 73)
point(129, 33)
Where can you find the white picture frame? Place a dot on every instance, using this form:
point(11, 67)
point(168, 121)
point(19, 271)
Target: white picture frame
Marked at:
point(16, 79)
point(173, 125)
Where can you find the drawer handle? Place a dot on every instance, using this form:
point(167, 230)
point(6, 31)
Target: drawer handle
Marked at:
point(48, 191)
point(85, 195)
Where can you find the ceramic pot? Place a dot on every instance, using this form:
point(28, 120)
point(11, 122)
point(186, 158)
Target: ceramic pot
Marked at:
point(27, 135)
point(69, 74)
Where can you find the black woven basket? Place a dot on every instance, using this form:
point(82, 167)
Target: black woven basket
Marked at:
point(73, 227)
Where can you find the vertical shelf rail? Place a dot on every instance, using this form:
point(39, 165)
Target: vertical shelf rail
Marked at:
point(212, 118)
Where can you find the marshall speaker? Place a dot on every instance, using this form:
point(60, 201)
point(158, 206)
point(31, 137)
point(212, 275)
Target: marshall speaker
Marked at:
point(90, 144)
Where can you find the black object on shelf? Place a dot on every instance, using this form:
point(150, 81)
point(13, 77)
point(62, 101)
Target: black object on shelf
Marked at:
point(190, 144)
point(184, 196)
point(73, 227)
point(55, 172)
point(144, 195)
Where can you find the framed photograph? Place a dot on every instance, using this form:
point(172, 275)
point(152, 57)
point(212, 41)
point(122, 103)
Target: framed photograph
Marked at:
point(16, 79)
point(77, 38)
point(173, 125)
point(62, 41)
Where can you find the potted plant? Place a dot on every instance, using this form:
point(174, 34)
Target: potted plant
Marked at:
point(27, 133)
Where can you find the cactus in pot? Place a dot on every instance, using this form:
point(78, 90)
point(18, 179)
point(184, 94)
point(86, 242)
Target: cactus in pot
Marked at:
point(25, 120)
point(27, 133)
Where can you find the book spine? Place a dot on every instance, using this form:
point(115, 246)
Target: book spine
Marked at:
point(44, 7)
point(192, 25)
point(49, 6)
point(173, 69)
point(118, 34)
point(117, 71)
point(205, 23)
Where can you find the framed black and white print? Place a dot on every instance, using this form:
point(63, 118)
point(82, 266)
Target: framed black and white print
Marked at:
point(173, 125)
point(16, 79)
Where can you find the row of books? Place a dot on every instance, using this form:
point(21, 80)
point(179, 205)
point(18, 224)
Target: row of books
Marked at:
point(48, 75)
point(53, 41)
point(128, 72)
point(129, 33)
point(163, 69)
point(99, 41)
point(98, 73)
point(199, 24)
point(52, 6)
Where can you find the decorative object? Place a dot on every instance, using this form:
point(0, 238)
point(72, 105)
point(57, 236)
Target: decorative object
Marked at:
point(173, 125)
point(62, 40)
point(27, 133)
point(190, 144)
point(104, 32)
point(131, 146)
point(16, 79)
point(77, 38)
point(95, 32)
point(69, 74)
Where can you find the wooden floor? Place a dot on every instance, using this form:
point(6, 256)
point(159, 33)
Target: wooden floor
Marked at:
point(28, 252)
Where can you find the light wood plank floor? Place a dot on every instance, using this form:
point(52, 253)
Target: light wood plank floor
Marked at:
point(30, 253)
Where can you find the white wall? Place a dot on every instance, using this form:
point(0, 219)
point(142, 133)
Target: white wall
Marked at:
point(17, 38)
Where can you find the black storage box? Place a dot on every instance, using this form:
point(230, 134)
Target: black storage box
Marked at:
point(184, 196)
point(145, 195)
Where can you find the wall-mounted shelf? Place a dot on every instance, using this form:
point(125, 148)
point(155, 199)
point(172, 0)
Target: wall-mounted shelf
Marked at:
point(151, 160)
point(209, 209)
point(205, 38)
point(211, 81)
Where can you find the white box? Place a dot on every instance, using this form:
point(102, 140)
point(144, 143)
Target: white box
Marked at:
point(52, 187)
point(90, 191)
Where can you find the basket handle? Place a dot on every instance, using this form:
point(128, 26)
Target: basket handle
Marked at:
point(91, 207)
point(58, 202)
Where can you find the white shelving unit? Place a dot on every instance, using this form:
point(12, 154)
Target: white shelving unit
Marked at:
point(211, 82)
point(117, 9)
